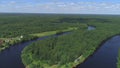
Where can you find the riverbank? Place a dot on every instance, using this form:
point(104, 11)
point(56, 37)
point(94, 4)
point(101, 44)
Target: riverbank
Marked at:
point(7, 42)
point(100, 45)
point(118, 59)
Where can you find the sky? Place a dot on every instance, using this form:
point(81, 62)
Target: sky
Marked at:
point(61, 6)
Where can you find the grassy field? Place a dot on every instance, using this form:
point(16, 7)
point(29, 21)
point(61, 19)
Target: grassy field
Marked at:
point(53, 32)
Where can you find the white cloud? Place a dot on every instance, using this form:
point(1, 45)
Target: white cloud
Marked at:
point(61, 7)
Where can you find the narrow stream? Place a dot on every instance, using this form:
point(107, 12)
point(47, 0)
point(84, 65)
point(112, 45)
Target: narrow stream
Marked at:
point(91, 28)
point(11, 57)
point(105, 57)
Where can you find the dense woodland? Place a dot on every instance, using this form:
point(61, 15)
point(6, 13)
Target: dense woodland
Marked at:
point(66, 51)
point(12, 26)
point(24, 24)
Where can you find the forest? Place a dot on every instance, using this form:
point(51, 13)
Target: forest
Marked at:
point(69, 50)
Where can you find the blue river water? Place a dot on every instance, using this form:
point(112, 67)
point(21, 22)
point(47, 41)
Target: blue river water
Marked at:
point(105, 56)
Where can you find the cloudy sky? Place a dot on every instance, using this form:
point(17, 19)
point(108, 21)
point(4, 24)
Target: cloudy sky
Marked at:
point(61, 6)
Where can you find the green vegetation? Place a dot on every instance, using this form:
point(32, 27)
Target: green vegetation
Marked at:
point(67, 51)
point(118, 63)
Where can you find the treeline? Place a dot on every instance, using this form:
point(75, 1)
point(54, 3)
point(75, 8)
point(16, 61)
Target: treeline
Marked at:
point(81, 20)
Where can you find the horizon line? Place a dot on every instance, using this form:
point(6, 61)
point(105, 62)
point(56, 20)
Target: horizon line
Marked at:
point(57, 13)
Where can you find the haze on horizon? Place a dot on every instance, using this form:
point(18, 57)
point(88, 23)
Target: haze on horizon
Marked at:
point(61, 6)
